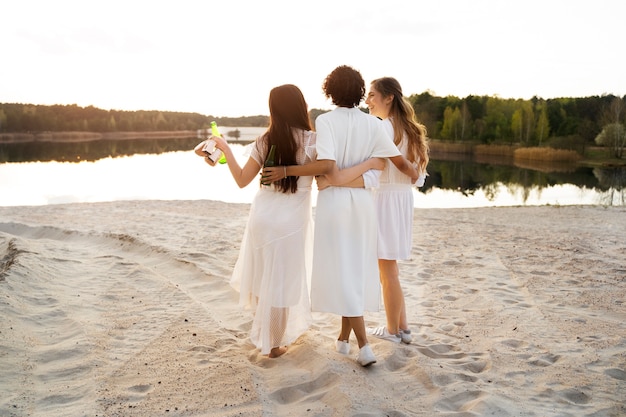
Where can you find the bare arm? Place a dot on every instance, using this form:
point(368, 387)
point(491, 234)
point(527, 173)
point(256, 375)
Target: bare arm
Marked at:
point(323, 183)
point(351, 177)
point(406, 167)
point(354, 175)
point(322, 167)
point(242, 176)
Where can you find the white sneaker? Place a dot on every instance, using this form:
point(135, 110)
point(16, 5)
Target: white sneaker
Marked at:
point(342, 346)
point(366, 356)
point(382, 333)
point(405, 336)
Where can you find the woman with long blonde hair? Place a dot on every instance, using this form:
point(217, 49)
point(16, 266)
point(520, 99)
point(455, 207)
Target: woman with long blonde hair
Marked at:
point(394, 200)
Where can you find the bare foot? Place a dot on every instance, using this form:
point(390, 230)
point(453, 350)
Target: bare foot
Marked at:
point(277, 351)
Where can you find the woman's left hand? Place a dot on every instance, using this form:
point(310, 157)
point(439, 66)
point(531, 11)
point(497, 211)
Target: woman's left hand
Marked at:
point(273, 174)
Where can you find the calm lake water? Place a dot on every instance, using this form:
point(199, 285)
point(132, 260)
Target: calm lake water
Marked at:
point(162, 174)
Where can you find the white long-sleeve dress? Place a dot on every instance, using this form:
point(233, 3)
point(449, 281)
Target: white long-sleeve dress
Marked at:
point(345, 268)
point(272, 273)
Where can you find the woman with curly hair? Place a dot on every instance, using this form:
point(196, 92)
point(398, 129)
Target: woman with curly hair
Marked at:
point(345, 278)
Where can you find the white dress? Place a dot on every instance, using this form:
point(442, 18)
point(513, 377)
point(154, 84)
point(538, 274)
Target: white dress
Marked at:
point(345, 268)
point(272, 273)
point(394, 207)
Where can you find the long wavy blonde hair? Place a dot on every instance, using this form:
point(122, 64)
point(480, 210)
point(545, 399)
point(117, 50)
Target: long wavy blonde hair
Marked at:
point(403, 120)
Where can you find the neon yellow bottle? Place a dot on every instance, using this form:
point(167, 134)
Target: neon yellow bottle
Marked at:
point(216, 132)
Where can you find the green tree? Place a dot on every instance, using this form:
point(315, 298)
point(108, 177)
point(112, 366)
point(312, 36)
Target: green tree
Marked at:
point(517, 125)
point(542, 126)
point(614, 136)
point(612, 133)
point(3, 120)
point(451, 127)
point(466, 119)
point(112, 127)
point(528, 120)
point(498, 115)
point(428, 111)
point(160, 122)
point(235, 134)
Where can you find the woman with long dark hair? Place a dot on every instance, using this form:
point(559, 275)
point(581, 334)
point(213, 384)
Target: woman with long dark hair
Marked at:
point(274, 264)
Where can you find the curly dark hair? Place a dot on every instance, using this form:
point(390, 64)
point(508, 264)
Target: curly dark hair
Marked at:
point(344, 86)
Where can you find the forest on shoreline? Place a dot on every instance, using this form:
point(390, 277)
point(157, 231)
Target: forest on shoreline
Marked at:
point(574, 124)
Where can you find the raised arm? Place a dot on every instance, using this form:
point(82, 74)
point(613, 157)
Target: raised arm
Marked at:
point(242, 176)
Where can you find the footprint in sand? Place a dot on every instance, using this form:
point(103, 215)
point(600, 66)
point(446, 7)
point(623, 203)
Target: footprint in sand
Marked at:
point(514, 343)
point(401, 359)
point(616, 373)
point(575, 396)
point(441, 351)
point(464, 401)
point(138, 392)
point(313, 389)
point(545, 360)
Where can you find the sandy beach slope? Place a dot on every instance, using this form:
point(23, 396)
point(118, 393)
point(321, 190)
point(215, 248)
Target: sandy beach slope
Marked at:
point(124, 309)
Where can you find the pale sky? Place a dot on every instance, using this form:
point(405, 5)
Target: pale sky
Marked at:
point(221, 58)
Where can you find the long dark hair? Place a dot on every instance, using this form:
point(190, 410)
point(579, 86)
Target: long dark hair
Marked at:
point(288, 111)
point(403, 119)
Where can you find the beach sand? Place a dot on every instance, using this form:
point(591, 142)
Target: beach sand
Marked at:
point(124, 309)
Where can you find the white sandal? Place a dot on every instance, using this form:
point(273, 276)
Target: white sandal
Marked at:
point(382, 333)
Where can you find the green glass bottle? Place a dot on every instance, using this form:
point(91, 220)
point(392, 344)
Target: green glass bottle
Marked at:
point(215, 132)
point(269, 161)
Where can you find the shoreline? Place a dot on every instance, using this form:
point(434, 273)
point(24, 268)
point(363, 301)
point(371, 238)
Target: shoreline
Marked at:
point(444, 149)
point(83, 137)
point(70, 137)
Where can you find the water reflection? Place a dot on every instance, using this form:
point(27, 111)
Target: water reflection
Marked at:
point(490, 175)
point(90, 150)
point(167, 169)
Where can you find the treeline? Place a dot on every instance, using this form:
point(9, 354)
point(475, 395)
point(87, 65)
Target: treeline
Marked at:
point(23, 118)
point(570, 123)
point(560, 122)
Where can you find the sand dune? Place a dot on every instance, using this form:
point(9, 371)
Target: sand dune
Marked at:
point(124, 309)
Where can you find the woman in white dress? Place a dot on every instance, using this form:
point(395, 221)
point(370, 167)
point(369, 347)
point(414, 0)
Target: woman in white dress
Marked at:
point(394, 200)
point(274, 264)
point(345, 273)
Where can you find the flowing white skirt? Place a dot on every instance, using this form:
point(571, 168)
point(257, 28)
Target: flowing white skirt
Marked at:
point(272, 273)
point(345, 268)
point(394, 209)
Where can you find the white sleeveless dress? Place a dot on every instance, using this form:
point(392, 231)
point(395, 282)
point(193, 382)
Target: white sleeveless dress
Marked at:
point(394, 208)
point(272, 273)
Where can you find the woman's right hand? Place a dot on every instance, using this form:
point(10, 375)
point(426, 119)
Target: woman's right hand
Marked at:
point(322, 182)
point(220, 142)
